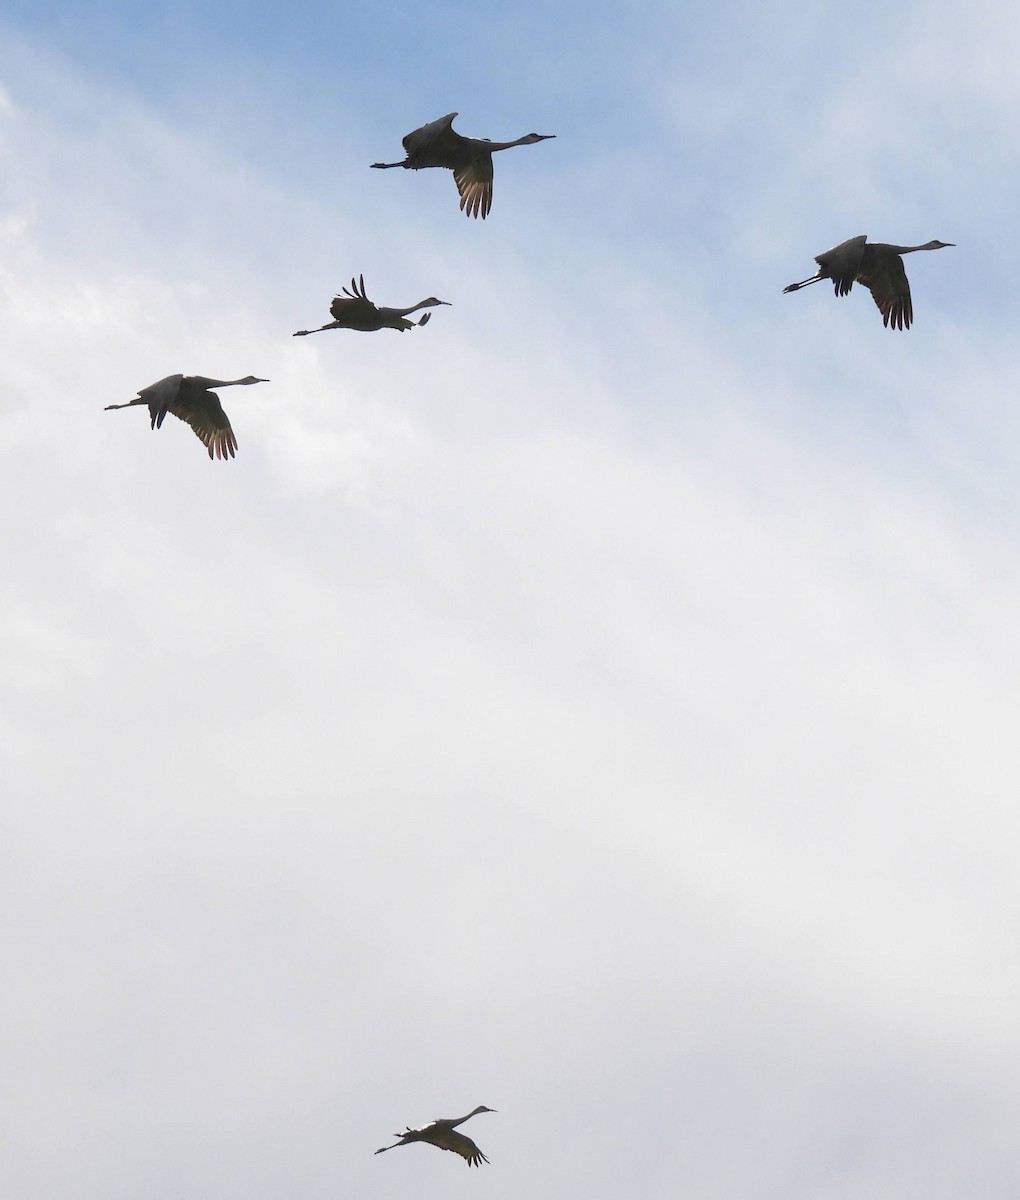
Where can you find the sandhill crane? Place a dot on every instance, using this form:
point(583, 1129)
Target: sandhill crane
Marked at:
point(189, 397)
point(470, 159)
point(879, 267)
point(354, 310)
point(442, 1132)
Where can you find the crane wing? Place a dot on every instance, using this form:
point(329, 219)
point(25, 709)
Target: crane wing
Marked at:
point(474, 184)
point(205, 415)
point(886, 279)
point(418, 139)
point(843, 262)
point(159, 396)
point(459, 1143)
point(353, 308)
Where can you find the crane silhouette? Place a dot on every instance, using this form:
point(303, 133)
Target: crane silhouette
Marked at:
point(189, 397)
point(878, 266)
point(470, 159)
point(442, 1132)
point(354, 310)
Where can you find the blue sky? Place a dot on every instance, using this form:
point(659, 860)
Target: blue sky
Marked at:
point(600, 704)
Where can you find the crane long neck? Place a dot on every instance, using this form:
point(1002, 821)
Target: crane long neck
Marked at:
point(494, 146)
point(461, 1120)
point(403, 312)
point(908, 249)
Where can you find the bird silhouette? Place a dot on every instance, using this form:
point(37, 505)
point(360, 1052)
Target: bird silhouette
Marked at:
point(470, 159)
point(442, 1132)
point(879, 267)
point(189, 397)
point(354, 310)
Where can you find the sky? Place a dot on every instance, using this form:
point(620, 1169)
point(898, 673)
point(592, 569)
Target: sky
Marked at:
point(600, 704)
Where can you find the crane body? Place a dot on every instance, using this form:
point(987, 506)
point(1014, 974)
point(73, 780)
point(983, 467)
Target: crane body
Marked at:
point(470, 159)
point(877, 265)
point(189, 397)
point(442, 1132)
point(354, 310)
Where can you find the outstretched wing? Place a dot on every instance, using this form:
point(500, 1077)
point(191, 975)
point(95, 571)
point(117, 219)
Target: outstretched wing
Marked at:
point(842, 263)
point(159, 396)
point(459, 1143)
point(886, 279)
point(420, 139)
point(354, 305)
point(204, 413)
point(474, 184)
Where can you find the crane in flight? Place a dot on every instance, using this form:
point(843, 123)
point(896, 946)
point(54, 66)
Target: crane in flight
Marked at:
point(878, 266)
point(470, 159)
point(354, 310)
point(190, 398)
point(442, 1132)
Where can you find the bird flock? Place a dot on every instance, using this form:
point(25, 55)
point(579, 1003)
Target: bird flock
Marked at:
point(876, 265)
point(190, 397)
